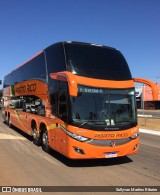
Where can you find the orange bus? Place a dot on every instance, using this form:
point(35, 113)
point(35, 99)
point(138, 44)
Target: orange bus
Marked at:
point(75, 98)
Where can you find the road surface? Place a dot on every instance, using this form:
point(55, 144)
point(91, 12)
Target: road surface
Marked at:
point(24, 164)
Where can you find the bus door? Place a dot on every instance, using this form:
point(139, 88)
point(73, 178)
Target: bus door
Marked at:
point(62, 113)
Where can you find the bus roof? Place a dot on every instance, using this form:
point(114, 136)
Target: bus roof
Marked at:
point(62, 42)
point(80, 43)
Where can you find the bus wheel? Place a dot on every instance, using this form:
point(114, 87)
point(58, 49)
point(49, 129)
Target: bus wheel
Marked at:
point(9, 122)
point(45, 145)
point(36, 139)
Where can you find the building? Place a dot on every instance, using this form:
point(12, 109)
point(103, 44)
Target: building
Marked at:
point(144, 98)
point(147, 98)
point(138, 90)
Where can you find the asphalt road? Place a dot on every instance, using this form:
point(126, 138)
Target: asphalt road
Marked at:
point(24, 164)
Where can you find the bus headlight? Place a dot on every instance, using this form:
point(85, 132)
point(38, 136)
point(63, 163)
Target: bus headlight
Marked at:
point(134, 136)
point(79, 137)
point(75, 136)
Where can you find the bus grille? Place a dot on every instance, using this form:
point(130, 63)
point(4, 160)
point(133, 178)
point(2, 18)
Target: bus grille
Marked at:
point(108, 142)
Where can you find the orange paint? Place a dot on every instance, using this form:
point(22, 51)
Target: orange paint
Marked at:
point(29, 106)
point(154, 87)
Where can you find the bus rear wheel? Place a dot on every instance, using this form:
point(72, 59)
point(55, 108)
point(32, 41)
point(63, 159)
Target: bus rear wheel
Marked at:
point(45, 145)
point(36, 138)
point(9, 122)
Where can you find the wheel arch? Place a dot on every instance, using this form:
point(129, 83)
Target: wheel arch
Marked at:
point(42, 127)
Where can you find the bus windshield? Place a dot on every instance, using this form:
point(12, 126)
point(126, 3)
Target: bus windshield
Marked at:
point(96, 62)
point(104, 109)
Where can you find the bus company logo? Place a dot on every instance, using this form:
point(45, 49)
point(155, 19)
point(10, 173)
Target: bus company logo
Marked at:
point(101, 136)
point(112, 143)
point(27, 88)
point(111, 135)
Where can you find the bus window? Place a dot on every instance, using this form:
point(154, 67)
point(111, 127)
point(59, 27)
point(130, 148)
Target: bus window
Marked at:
point(62, 103)
point(84, 59)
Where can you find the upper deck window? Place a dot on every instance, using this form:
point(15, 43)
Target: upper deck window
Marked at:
point(33, 69)
point(96, 62)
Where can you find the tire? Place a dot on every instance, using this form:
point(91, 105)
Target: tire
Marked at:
point(45, 145)
point(36, 138)
point(9, 122)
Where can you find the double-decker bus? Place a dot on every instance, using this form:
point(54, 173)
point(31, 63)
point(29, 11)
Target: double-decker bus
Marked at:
point(75, 98)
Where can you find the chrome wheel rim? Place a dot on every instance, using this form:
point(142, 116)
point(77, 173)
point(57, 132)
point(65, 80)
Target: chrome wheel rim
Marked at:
point(34, 133)
point(45, 139)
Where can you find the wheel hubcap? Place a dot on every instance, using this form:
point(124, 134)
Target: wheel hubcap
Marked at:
point(34, 133)
point(45, 139)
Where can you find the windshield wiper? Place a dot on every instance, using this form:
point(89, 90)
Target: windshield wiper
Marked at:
point(81, 125)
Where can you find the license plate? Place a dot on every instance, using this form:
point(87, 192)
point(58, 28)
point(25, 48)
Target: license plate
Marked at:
point(111, 154)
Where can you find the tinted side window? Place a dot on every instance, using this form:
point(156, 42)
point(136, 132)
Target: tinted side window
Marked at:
point(17, 75)
point(7, 80)
point(35, 69)
point(55, 63)
point(55, 59)
point(59, 99)
point(31, 104)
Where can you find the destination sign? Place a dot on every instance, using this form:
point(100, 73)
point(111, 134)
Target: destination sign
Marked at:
point(92, 90)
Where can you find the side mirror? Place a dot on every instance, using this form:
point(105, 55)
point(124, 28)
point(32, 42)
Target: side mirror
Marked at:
point(70, 78)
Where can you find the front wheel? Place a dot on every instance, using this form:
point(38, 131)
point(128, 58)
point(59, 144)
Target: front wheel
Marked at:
point(45, 145)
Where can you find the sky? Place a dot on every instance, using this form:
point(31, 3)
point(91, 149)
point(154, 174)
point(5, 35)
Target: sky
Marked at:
point(132, 26)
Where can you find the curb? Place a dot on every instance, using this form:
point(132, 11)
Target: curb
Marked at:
point(147, 131)
point(145, 115)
